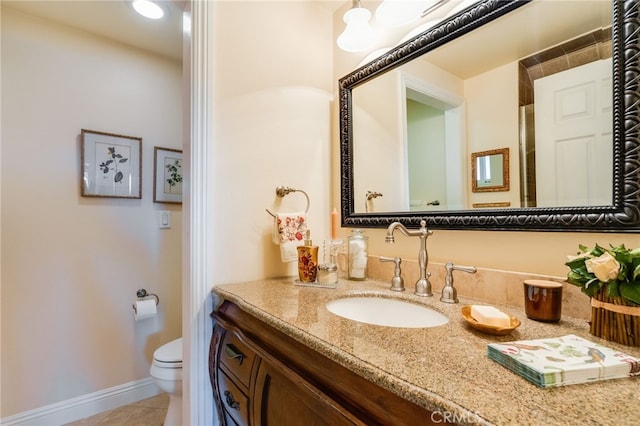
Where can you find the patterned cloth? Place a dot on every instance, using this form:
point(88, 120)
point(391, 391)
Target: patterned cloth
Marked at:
point(288, 232)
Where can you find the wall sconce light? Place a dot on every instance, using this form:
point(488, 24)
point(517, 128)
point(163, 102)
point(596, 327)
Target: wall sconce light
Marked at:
point(148, 9)
point(358, 35)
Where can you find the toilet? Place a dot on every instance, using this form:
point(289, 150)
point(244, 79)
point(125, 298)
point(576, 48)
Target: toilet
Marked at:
point(166, 370)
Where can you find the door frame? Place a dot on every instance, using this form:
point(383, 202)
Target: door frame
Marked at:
point(197, 241)
point(455, 139)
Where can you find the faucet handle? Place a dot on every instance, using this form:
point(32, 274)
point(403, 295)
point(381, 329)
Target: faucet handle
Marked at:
point(450, 267)
point(449, 293)
point(397, 282)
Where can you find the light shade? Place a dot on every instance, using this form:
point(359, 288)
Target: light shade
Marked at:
point(396, 13)
point(358, 36)
point(148, 9)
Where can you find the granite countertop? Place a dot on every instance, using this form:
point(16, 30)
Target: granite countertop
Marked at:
point(444, 369)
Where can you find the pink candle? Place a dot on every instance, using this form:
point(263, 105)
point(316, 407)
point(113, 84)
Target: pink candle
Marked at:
point(334, 224)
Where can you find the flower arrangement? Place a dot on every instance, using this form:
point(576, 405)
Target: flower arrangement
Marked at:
point(611, 278)
point(615, 270)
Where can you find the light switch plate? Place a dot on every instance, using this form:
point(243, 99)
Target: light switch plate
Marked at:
point(164, 219)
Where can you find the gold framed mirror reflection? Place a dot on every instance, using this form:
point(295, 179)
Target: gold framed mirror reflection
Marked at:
point(490, 170)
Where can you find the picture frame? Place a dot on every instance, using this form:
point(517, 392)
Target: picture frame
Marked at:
point(490, 170)
point(167, 175)
point(111, 165)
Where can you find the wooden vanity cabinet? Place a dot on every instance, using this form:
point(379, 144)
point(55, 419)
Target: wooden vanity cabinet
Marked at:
point(261, 376)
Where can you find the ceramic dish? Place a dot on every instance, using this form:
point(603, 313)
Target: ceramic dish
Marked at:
point(489, 329)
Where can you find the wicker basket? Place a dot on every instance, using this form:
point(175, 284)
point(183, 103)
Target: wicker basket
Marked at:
point(615, 319)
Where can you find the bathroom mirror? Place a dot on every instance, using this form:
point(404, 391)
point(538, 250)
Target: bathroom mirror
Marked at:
point(620, 212)
point(490, 170)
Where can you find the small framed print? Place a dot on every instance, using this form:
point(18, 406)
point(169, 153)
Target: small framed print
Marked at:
point(111, 165)
point(167, 175)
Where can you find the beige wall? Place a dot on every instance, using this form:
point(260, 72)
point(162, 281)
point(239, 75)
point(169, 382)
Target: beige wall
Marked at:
point(492, 123)
point(533, 252)
point(380, 141)
point(71, 265)
point(272, 112)
point(272, 115)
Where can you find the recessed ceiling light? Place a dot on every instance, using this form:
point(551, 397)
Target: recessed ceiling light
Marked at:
point(148, 9)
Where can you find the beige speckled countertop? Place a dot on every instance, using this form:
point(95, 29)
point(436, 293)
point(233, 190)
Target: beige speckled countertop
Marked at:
point(444, 369)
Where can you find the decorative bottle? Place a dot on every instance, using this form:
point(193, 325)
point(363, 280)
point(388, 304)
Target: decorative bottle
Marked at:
point(307, 260)
point(357, 255)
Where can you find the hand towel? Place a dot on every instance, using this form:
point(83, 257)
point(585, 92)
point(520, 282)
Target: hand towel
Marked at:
point(288, 232)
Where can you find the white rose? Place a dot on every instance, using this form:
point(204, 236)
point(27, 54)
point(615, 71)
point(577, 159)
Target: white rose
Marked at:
point(604, 267)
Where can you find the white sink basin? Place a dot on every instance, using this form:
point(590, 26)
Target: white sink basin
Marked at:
point(386, 312)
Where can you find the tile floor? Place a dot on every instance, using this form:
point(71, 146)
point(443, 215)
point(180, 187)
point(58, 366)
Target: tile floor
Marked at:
point(148, 412)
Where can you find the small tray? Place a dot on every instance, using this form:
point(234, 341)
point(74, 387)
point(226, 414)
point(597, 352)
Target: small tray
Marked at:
point(489, 329)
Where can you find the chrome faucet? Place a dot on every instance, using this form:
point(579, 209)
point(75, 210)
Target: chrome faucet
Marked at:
point(397, 282)
point(423, 286)
point(449, 292)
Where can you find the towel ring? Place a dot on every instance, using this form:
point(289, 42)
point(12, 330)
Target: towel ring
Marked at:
point(281, 191)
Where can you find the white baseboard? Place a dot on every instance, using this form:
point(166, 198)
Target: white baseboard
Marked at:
point(86, 405)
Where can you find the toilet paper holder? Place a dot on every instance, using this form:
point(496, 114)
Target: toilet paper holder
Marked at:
point(142, 293)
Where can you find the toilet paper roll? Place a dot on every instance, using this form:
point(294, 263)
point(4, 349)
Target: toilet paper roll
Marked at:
point(145, 309)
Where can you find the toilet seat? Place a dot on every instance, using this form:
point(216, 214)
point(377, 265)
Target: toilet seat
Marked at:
point(169, 355)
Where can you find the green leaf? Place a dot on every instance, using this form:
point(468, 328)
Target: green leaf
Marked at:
point(630, 292)
point(613, 289)
point(636, 272)
point(597, 251)
point(622, 273)
point(575, 279)
point(592, 287)
point(621, 254)
point(575, 263)
point(621, 248)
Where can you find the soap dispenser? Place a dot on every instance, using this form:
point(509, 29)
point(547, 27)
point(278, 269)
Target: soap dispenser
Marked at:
point(307, 260)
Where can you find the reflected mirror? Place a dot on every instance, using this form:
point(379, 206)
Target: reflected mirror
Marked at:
point(411, 119)
point(490, 170)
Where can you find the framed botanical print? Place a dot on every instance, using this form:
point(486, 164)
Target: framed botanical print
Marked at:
point(111, 165)
point(167, 175)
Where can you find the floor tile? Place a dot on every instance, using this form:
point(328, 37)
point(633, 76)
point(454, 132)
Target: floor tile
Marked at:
point(147, 412)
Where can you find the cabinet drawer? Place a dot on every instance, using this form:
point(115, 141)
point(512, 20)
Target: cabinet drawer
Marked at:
point(235, 403)
point(237, 358)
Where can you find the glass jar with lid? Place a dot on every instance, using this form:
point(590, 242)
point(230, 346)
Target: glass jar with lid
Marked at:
point(357, 252)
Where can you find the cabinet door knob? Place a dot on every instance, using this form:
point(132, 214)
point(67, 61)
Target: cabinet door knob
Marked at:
point(232, 352)
point(232, 403)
